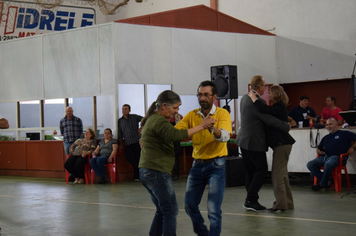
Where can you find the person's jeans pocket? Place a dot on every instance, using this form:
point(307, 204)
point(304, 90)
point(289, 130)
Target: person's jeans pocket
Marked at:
point(148, 178)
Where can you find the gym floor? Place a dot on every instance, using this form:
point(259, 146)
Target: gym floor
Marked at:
point(39, 206)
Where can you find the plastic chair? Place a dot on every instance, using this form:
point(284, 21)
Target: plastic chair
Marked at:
point(337, 174)
point(87, 169)
point(112, 170)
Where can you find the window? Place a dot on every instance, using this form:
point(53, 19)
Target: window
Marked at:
point(54, 111)
point(8, 111)
point(83, 108)
point(30, 114)
point(132, 94)
point(153, 90)
point(105, 114)
point(189, 102)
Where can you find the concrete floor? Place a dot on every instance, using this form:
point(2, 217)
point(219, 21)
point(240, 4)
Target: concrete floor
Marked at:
point(33, 206)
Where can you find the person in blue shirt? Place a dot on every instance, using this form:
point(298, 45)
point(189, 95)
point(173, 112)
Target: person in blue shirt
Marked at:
point(329, 150)
point(302, 112)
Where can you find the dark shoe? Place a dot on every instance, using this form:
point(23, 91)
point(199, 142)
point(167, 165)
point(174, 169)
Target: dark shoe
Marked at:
point(102, 180)
point(318, 187)
point(274, 210)
point(255, 206)
point(71, 178)
point(204, 234)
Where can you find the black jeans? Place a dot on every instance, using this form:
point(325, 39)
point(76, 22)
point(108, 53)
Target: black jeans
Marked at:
point(133, 154)
point(256, 172)
point(75, 166)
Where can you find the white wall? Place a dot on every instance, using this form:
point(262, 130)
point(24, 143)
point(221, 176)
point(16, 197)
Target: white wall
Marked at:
point(183, 57)
point(92, 61)
point(21, 69)
point(316, 39)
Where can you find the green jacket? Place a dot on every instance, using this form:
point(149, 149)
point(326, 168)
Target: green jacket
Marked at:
point(157, 137)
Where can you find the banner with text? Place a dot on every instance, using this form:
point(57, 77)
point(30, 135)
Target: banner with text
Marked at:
point(22, 20)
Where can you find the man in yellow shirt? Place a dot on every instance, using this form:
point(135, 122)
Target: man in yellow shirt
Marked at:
point(209, 152)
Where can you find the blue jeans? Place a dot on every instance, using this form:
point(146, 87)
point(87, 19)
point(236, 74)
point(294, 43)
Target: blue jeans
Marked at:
point(201, 174)
point(98, 165)
point(66, 147)
point(329, 164)
point(160, 186)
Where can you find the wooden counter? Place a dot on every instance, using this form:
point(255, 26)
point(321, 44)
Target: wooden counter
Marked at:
point(46, 158)
point(32, 158)
point(43, 159)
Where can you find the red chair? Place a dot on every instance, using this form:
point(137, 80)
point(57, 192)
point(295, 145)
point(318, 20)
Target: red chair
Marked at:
point(337, 175)
point(112, 170)
point(87, 169)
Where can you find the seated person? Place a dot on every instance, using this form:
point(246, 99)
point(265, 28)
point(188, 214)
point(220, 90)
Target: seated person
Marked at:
point(302, 112)
point(329, 150)
point(104, 154)
point(4, 124)
point(80, 149)
point(331, 110)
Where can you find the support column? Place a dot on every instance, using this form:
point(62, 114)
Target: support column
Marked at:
point(214, 4)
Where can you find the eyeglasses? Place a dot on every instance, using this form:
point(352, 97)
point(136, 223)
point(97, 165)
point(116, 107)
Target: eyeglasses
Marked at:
point(200, 95)
point(265, 85)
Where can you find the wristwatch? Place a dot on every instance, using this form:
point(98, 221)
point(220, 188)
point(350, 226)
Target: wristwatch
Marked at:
point(212, 130)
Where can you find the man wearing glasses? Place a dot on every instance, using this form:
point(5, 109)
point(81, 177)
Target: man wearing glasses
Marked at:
point(252, 141)
point(209, 152)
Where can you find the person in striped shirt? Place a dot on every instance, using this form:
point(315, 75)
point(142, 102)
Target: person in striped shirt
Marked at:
point(129, 134)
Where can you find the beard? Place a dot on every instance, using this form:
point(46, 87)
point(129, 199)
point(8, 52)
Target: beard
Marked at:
point(204, 105)
point(332, 130)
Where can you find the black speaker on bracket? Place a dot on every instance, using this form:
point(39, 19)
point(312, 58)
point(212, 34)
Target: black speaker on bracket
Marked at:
point(225, 78)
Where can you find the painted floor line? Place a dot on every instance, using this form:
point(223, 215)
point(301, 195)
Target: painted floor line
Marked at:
point(153, 208)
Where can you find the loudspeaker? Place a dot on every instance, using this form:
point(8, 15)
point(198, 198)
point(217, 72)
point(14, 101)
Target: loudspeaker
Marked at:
point(225, 78)
point(235, 171)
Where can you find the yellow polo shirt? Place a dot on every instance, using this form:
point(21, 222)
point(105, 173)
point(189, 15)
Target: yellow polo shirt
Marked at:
point(205, 146)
